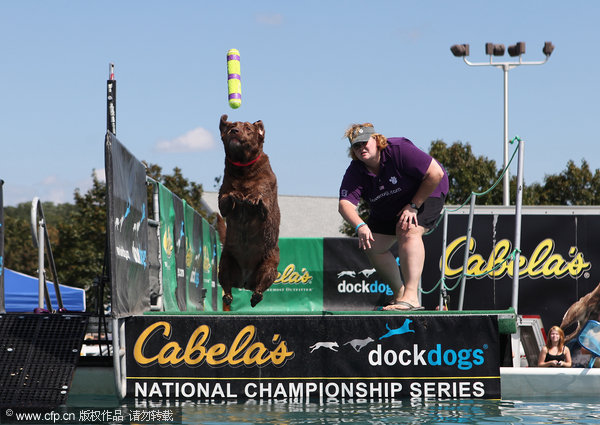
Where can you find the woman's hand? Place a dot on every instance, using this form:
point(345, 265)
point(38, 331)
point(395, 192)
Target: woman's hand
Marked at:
point(365, 237)
point(408, 218)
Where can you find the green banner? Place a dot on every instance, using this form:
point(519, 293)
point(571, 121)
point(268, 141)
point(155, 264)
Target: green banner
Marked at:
point(207, 267)
point(167, 246)
point(217, 293)
point(299, 283)
point(193, 259)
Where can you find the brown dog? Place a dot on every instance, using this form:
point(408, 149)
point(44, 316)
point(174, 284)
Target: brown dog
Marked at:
point(248, 202)
point(584, 309)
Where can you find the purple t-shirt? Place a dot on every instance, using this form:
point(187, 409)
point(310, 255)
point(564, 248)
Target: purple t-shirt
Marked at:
point(401, 172)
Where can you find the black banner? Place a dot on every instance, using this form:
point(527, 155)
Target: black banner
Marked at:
point(351, 282)
point(127, 229)
point(369, 356)
point(2, 307)
point(556, 266)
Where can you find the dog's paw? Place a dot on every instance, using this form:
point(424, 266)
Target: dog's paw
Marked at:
point(258, 204)
point(227, 299)
point(262, 208)
point(226, 204)
point(256, 298)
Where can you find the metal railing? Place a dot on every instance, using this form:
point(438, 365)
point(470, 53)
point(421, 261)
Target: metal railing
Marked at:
point(513, 256)
point(41, 241)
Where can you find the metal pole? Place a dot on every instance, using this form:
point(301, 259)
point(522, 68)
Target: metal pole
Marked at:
point(517, 244)
point(443, 293)
point(41, 274)
point(461, 297)
point(506, 66)
point(506, 184)
point(111, 100)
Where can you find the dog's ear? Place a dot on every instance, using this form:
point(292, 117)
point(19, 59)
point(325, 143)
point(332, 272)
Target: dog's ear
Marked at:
point(223, 123)
point(260, 127)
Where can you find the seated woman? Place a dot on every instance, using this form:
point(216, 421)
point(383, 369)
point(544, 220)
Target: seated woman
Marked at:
point(555, 353)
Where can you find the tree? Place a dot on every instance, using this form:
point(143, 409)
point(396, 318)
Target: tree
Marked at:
point(79, 254)
point(187, 190)
point(573, 186)
point(467, 173)
point(77, 232)
point(20, 253)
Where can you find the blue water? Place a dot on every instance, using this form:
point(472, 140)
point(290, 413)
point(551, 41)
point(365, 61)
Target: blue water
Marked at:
point(466, 411)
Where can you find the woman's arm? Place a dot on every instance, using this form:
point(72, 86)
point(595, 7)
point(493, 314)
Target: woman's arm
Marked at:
point(567, 362)
point(433, 177)
point(542, 357)
point(348, 211)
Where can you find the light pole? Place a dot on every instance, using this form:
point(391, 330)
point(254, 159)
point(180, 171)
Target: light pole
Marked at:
point(518, 49)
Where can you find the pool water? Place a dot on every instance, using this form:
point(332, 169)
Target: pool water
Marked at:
point(413, 411)
point(399, 412)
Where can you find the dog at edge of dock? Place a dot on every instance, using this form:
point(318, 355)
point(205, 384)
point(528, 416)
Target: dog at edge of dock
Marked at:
point(248, 203)
point(582, 310)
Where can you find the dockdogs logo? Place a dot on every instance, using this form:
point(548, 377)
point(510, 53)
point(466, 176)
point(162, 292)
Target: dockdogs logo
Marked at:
point(357, 282)
point(411, 355)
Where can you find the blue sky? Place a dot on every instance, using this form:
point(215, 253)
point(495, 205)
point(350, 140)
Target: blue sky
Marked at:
point(309, 69)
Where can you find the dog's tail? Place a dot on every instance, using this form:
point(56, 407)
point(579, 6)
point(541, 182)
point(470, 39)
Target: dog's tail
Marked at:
point(221, 228)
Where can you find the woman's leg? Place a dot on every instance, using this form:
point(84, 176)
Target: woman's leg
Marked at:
point(384, 262)
point(411, 252)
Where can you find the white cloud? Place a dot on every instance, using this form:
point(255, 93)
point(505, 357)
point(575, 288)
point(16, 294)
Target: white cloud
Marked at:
point(197, 139)
point(274, 19)
point(50, 180)
point(100, 175)
point(57, 195)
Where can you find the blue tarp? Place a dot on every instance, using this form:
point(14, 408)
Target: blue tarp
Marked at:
point(21, 294)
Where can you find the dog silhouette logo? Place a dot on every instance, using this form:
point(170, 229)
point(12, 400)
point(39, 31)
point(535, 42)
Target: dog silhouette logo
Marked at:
point(405, 328)
point(358, 344)
point(331, 345)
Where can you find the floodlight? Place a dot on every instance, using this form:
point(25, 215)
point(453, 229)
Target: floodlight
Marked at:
point(460, 50)
point(491, 49)
point(517, 49)
point(494, 49)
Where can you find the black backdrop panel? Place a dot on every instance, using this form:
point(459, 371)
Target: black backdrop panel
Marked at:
point(127, 229)
point(333, 356)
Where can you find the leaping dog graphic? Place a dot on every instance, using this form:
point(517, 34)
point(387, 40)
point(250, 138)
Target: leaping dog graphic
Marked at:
point(357, 344)
point(331, 345)
point(398, 331)
point(367, 272)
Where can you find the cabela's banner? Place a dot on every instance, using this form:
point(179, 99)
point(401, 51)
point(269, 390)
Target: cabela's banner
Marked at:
point(556, 268)
point(299, 283)
point(363, 356)
point(556, 262)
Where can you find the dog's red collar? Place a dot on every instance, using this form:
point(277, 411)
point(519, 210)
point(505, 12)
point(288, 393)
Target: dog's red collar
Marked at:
point(244, 164)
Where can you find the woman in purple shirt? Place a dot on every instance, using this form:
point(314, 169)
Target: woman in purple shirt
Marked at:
point(405, 189)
